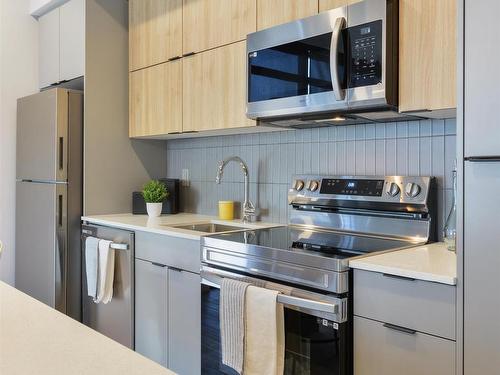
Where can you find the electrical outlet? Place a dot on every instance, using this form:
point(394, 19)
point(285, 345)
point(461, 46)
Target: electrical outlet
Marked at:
point(185, 178)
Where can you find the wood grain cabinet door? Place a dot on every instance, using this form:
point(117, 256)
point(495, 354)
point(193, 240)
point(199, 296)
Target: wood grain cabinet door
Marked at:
point(427, 54)
point(214, 23)
point(214, 89)
point(155, 32)
point(156, 100)
point(332, 4)
point(275, 12)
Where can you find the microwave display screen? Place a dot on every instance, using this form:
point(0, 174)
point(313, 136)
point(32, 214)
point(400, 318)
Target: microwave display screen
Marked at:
point(366, 54)
point(292, 69)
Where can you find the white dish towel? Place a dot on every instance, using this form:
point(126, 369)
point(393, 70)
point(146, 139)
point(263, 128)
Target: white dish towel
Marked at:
point(91, 265)
point(106, 272)
point(264, 333)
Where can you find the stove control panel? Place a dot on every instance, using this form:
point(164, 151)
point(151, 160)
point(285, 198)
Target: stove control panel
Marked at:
point(352, 186)
point(389, 189)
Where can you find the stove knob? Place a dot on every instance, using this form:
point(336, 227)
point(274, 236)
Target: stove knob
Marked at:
point(392, 189)
point(298, 185)
point(313, 185)
point(412, 189)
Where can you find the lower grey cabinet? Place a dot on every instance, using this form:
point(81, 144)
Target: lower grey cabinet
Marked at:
point(151, 308)
point(168, 316)
point(383, 349)
point(184, 322)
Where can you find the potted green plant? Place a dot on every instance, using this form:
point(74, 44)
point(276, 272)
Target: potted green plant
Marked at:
point(154, 193)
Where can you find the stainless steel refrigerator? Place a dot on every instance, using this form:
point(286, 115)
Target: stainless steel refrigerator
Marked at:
point(481, 251)
point(49, 198)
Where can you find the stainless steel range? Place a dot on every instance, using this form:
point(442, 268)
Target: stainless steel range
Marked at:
point(331, 220)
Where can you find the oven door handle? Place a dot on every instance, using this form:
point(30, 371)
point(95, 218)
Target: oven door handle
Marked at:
point(214, 280)
point(338, 91)
point(309, 304)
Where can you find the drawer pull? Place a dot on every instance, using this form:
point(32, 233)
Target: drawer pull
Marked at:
point(175, 269)
point(158, 264)
point(189, 54)
point(398, 277)
point(399, 328)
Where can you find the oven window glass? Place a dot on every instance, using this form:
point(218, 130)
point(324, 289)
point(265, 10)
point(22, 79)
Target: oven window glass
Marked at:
point(292, 69)
point(313, 346)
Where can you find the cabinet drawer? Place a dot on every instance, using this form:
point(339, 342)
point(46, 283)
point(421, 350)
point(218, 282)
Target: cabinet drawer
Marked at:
point(420, 305)
point(171, 251)
point(382, 350)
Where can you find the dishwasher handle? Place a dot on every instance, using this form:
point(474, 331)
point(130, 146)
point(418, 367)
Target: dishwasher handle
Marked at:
point(87, 232)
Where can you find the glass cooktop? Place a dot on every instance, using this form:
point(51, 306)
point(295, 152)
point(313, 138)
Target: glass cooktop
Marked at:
point(325, 243)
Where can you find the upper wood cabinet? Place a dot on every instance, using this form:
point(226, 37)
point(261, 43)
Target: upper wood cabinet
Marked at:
point(156, 100)
point(332, 4)
point(214, 89)
point(427, 55)
point(213, 23)
point(155, 32)
point(275, 12)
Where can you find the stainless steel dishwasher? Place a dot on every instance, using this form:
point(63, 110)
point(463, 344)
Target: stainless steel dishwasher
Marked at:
point(115, 319)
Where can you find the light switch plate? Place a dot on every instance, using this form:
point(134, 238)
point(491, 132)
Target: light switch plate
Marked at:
point(185, 178)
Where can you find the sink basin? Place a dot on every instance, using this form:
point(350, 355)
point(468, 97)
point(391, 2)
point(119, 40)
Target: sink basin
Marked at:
point(208, 227)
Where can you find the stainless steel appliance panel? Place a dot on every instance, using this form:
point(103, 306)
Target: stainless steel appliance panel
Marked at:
point(481, 268)
point(42, 130)
point(295, 31)
point(115, 319)
point(481, 83)
point(40, 241)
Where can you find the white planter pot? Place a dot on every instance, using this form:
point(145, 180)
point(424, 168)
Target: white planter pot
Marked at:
point(154, 209)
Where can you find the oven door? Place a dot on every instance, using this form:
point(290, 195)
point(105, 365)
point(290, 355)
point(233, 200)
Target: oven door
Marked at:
point(298, 67)
point(317, 331)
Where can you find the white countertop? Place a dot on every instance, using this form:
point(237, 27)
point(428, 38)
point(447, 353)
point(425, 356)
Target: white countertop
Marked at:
point(163, 224)
point(433, 262)
point(36, 339)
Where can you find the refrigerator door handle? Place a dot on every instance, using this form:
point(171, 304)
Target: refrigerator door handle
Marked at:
point(61, 153)
point(61, 258)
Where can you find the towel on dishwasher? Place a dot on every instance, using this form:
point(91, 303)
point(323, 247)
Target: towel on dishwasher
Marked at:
point(232, 325)
point(91, 265)
point(264, 333)
point(106, 272)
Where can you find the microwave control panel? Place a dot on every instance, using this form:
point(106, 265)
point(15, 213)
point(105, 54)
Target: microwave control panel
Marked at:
point(366, 54)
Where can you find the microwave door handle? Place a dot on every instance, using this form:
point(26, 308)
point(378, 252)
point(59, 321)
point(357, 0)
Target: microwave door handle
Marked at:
point(338, 91)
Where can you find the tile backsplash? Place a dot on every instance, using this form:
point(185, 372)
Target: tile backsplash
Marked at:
point(425, 147)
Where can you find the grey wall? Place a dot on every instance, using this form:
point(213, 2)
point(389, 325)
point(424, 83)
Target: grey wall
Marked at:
point(425, 147)
point(114, 165)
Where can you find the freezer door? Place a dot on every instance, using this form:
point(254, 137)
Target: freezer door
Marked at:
point(41, 242)
point(482, 268)
point(42, 134)
point(482, 84)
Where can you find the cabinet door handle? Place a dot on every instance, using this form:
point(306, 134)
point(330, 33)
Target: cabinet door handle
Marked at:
point(398, 277)
point(189, 54)
point(174, 58)
point(175, 269)
point(399, 328)
point(158, 264)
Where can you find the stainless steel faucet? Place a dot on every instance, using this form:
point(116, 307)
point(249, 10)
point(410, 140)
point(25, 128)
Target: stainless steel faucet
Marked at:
point(248, 209)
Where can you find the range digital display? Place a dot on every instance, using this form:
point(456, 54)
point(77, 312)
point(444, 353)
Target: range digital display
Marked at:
point(371, 188)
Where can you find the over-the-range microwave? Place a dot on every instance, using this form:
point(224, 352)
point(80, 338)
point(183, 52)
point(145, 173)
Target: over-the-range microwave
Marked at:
point(340, 66)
